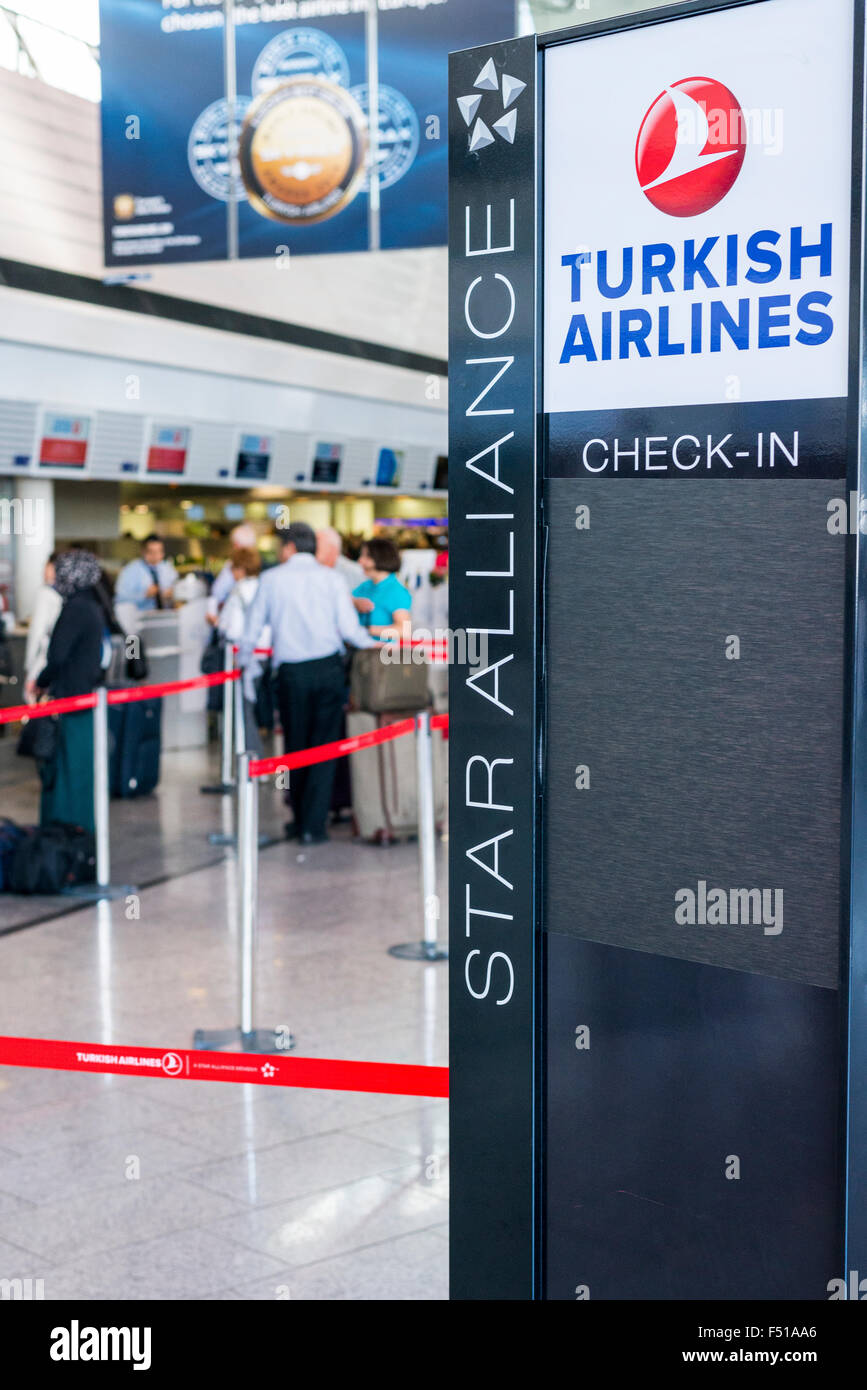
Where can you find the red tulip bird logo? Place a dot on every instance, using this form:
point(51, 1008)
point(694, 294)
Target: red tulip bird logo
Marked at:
point(690, 146)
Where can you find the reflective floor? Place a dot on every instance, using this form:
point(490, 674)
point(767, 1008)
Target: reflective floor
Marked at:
point(138, 1188)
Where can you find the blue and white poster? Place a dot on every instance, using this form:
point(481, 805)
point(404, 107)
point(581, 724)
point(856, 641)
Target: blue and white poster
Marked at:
point(301, 130)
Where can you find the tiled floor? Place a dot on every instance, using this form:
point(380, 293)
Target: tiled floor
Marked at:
point(116, 1187)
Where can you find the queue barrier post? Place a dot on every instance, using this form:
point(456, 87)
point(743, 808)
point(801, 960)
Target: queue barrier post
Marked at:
point(227, 836)
point(252, 1039)
point(248, 890)
point(238, 720)
point(226, 784)
point(103, 887)
point(429, 949)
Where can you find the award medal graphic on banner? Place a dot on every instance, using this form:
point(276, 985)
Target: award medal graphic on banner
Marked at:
point(302, 150)
point(398, 132)
point(297, 52)
point(208, 149)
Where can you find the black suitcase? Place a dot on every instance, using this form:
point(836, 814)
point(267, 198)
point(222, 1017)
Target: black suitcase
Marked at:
point(134, 742)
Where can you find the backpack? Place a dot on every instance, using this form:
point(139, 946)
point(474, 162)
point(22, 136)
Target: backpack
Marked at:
point(11, 836)
point(52, 857)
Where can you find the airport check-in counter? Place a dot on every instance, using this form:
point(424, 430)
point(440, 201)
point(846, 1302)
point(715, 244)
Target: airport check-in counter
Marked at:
point(174, 640)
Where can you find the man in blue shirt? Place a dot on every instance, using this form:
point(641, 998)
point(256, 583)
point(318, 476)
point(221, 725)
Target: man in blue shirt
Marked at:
point(311, 615)
point(149, 581)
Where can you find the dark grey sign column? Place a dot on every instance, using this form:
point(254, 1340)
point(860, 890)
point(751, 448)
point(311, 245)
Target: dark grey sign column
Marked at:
point(494, 587)
point(659, 981)
point(705, 998)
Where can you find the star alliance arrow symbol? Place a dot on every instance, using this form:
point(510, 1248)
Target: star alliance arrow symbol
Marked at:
point(505, 127)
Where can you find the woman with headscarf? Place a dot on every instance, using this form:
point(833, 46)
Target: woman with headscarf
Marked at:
point(74, 666)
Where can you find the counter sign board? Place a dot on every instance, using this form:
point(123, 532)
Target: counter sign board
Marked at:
point(64, 440)
point(254, 457)
point(692, 939)
point(168, 448)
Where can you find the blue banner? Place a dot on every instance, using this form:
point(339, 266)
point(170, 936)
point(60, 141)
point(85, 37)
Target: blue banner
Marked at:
point(301, 178)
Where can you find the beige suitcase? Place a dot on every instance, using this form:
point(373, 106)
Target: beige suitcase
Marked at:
point(384, 780)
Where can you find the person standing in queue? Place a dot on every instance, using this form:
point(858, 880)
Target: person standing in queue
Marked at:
point(245, 569)
point(149, 581)
point(329, 551)
point(74, 666)
point(46, 611)
point(382, 601)
point(241, 537)
point(310, 613)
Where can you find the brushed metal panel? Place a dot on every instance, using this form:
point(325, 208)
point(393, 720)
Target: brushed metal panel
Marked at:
point(701, 767)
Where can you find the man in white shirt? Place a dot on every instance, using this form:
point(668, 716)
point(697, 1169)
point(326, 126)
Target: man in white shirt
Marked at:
point(148, 582)
point(329, 551)
point(311, 615)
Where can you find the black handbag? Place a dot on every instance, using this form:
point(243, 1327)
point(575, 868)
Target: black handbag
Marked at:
point(39, 739)
point(213, 660)
point(264, 687)
point(137, 666)
point(212, 657)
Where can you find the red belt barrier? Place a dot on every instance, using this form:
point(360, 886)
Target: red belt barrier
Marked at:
point(155, 692)
point(253, 1068)
point(438, 649)
point(259, 767)
point(71, 703)
point(68, 705)
point(262, 767)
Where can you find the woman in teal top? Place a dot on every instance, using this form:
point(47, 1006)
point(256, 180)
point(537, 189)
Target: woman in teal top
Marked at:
point(383, 603)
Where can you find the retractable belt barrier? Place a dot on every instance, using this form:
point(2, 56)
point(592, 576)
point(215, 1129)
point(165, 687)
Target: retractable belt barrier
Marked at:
point(99, 701)
point(71, 704)
point(250, 771)
point(394, 1078)
point(315, 1073)
point(435, 652)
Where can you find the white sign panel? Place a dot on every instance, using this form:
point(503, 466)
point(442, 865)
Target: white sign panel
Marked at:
point(697, 210)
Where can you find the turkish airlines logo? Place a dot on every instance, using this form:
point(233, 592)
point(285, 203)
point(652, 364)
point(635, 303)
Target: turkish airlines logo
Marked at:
point(690, 147)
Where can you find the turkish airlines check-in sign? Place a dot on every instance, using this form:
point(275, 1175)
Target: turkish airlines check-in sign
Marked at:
point(697, 211)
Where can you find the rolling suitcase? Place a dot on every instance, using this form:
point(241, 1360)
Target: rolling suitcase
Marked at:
point(134, 747)
point(384, 780)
